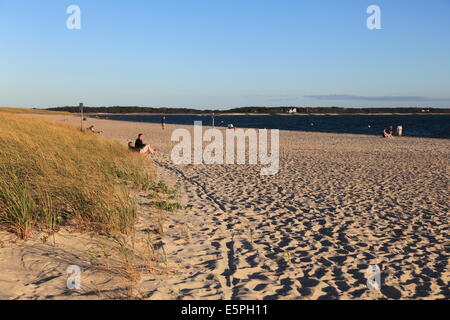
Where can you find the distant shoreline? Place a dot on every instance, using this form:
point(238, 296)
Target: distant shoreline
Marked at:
point(263, 114)
point(352, 124)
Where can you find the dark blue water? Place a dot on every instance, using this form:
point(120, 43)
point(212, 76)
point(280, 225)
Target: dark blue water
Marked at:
point(430, 126)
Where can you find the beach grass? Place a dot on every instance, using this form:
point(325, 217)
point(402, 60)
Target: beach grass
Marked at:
point(53, 175)
point(30, 111)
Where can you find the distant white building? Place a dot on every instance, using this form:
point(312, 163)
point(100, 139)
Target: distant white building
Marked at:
point(292, 110)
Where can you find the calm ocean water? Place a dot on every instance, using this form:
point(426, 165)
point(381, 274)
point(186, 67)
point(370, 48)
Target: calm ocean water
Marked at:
point(430, 126)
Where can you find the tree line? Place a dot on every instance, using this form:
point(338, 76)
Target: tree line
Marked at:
point(248, 110)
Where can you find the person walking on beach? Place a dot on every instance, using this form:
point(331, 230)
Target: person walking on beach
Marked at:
point(400, 130)
point(143, 148)
point(163, 122)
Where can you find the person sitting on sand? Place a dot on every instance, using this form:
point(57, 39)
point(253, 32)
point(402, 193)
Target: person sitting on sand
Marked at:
point(387, 133)
point(91, 128)
point(143, 148)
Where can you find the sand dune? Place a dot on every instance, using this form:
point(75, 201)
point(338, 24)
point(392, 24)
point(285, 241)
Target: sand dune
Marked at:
point(338, 204)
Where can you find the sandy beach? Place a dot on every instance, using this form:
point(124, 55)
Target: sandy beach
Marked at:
point(339, 204)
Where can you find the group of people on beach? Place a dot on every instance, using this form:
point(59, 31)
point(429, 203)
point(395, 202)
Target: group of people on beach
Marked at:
point(389, 131)
point(142, 148)
point(139, 145)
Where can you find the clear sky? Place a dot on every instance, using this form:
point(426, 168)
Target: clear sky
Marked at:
point(225, 53)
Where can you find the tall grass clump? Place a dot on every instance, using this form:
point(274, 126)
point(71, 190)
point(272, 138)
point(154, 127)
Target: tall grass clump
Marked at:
point(53, 174)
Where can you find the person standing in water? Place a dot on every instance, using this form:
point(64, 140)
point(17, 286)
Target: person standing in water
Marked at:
point(400, 130)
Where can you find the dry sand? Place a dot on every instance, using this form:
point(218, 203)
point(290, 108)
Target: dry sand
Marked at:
point(339, 204)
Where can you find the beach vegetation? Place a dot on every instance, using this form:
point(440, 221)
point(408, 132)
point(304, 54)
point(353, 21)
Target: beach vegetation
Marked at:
point(53, 175)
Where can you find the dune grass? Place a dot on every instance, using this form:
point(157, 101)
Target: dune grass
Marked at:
point(29, 111)
point(53, 174)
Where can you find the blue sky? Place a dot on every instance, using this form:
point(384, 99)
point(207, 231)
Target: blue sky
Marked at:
point(220, 54)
